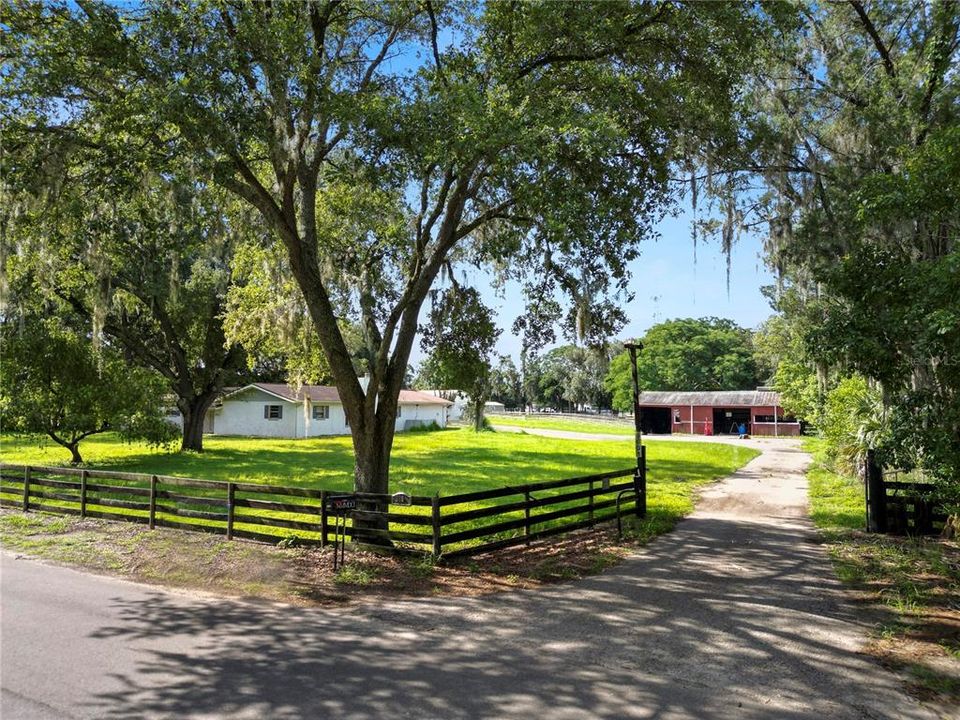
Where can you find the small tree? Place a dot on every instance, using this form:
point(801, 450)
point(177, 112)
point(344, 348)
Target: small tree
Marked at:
point(460, 339)
point(53, 382)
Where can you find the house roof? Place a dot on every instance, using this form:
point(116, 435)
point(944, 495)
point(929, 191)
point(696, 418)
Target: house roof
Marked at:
point(329, 394)
point(716, 398)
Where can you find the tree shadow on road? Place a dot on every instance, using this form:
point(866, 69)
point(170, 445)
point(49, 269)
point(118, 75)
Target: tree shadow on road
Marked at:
point(722, 619)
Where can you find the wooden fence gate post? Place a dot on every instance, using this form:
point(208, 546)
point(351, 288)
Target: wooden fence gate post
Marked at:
point(26, 488)
point(641, 509)
point(876, 495)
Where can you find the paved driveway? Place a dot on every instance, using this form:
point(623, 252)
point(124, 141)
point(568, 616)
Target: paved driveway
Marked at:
point(734, 615)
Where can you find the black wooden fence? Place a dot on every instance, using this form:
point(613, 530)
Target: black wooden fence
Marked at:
point(442, 525)
point(898, 505)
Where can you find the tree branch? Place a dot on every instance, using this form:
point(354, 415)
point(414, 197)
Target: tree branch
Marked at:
point(559, 58)
point(433, 42)
point(875, 37)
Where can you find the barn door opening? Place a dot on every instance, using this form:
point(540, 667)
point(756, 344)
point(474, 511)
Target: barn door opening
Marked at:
point(655, 420)
point(726, 421)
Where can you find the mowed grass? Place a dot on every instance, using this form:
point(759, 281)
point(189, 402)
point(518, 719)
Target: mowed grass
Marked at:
point(586, 425)
point(837, 502)
point(423, 463)
point(447, 462)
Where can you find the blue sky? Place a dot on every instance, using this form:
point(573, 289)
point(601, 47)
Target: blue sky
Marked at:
point(667, 284)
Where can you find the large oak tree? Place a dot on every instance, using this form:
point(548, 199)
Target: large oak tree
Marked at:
point(534, 138)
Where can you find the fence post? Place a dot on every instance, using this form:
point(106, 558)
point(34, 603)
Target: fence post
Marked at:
point(435, 513)
point(152, 521)
point(83, 493)
point(26, 488)
point(591, 503)
point(641, 482)
point(526, 516)
point(324, 520)
point(876, 495)
point(231, 490)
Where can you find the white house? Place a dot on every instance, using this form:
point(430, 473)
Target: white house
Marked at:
point(276, 410)
point(458, 400)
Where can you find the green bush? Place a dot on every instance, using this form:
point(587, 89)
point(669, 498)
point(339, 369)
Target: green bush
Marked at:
point(853, 421)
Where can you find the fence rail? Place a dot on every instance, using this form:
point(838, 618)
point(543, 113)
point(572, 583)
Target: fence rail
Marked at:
point(624, 420)
point(451, 525)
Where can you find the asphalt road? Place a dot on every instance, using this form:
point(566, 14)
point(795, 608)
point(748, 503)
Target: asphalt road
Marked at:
point(734, 615)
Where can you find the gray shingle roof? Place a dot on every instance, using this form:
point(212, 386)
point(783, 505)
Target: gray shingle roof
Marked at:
point(329, 394)
point(716, 398)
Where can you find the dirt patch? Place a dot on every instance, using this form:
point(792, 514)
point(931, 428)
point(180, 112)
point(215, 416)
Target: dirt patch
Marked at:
point(370, 575)
point(177, 558)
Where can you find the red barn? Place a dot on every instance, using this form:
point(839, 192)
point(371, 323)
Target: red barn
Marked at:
point(715, 413)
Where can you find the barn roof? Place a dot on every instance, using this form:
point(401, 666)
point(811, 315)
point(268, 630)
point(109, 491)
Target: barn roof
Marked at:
point(715, 398)
point(329, 394)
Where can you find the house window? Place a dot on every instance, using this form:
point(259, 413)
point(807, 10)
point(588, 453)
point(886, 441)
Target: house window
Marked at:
point(764, 418)
point(399, 411)
point(676, 416)
point(321, 412)
point(273, 412)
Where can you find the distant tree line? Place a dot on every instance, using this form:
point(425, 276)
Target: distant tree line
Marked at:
point(682, 354)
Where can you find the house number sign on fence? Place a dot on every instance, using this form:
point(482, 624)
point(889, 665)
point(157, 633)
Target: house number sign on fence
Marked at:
point(401, 498)
point(341, 503)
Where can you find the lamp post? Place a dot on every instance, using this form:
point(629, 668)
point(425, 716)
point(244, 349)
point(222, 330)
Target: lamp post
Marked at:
point(640, 479)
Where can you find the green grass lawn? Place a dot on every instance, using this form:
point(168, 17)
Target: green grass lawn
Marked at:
point(551, 423)
point(837, 502)
point(447, 462)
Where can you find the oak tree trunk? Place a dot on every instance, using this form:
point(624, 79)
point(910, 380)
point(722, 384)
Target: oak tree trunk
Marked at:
point(193, 410)
point(74, 449)
point(479, 405)
point(372, 450)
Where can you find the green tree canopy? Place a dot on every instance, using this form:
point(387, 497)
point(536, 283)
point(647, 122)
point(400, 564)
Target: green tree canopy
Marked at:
point(139, 246)
point(687, 354)
point(459, 340)
point(540, 144)
point(506, 383)
point(53, 382)
point(856, 143)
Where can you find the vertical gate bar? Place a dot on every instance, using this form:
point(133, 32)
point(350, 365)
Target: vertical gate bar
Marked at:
point(152, 520)
point(83, 493)
point(435, 517)
point(231, 496)
point(324, 519)
point(26, 488)
point(336, 540)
